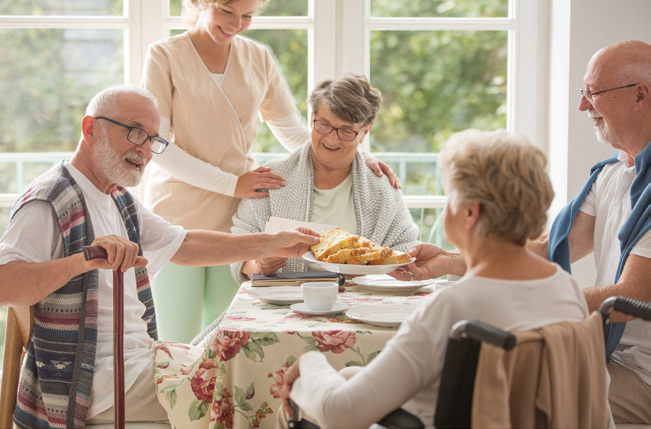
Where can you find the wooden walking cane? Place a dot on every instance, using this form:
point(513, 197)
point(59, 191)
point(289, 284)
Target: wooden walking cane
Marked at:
point(94, 252)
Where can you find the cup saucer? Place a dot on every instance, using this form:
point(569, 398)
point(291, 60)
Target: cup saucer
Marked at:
point(302, 308)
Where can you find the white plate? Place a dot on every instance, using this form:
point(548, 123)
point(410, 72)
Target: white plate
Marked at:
point(385, 315)
point(352, 270)
point(279, 295)
point(386, 283)
point(302, 308)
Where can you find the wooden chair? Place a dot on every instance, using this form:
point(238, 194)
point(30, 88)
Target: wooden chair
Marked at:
point(18, 334)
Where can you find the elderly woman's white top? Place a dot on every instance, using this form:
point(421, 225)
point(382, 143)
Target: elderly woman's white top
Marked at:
point(408, 371)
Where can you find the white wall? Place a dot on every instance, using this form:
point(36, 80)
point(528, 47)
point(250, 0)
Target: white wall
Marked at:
point(578, 29)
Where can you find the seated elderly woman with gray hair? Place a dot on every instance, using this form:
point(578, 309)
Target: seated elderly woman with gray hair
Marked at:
point(327, 181)
point(498, 194)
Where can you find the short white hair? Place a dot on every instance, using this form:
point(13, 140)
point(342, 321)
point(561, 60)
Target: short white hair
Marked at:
point(506, 175)
point(104, 103)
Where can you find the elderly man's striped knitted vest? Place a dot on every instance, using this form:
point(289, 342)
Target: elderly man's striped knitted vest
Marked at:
point(57, 373)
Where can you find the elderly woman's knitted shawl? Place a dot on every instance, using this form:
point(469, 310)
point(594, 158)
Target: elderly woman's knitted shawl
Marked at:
point(382, 215)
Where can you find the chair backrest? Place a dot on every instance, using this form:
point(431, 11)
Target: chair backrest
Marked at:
point(459, 369)
point(493, 384)
point(18, 334)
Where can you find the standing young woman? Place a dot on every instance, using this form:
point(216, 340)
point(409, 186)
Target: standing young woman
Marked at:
point(211, 86)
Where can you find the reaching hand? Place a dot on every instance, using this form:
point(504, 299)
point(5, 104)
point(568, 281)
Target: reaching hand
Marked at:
point(269, 266)
point(122, 254)
point(260, 178)
point(430, 262)
point(289, 378)
point(380, 167)
point(292, 243)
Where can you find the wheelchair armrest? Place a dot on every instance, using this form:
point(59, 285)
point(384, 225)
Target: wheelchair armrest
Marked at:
point(301, 424)
point(294, 423)
point(399, 419)
point(625, 305)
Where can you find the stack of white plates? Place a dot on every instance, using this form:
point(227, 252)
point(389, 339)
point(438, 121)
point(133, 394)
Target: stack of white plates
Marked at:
point(386, 283)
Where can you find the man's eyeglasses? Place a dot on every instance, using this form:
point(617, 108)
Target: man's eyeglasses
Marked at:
point(138, 136)
point(588, 94)
point(344, 134)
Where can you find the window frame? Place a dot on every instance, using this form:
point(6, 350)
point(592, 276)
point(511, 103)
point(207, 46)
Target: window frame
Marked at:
point(146, 22)
point(526, 69)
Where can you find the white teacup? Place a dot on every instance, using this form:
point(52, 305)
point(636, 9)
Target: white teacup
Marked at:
point(320, 296)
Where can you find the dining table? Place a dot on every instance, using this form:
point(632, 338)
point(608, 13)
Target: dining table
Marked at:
point(234, 378)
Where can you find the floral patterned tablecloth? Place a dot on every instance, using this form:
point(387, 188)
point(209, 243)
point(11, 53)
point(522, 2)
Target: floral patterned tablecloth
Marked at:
point(234, 381)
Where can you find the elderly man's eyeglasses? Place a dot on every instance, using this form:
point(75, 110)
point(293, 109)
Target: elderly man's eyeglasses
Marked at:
point(344, 134)
point(588, 94)
point(138, 136)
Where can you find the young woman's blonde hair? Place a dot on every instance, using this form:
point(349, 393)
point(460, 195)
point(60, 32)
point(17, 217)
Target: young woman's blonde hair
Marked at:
point(192, 8)
point(506, 175)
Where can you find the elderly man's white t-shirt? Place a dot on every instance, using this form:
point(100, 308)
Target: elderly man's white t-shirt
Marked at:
point(609, 201)
point(34, 236)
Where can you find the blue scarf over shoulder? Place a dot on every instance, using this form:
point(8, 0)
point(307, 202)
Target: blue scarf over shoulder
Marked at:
point(637, 224)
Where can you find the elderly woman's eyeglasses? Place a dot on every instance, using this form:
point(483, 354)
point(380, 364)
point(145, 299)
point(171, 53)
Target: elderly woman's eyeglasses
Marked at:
point(344, 134)
point(138, 136)
point(588, 94)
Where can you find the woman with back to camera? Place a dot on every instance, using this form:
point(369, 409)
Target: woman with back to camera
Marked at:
point(211, 85)
point(498, 194)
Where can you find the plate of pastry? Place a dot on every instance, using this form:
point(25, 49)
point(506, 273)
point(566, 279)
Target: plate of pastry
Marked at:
point(342, 252)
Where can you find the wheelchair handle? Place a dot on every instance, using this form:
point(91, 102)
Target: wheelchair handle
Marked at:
point(483, 332)
point(625, 305)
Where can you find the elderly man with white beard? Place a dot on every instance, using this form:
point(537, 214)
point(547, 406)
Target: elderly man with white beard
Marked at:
point(66, 377)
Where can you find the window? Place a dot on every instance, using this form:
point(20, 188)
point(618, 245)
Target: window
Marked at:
point(59, 55)
point(56, 56)
point(442, 66)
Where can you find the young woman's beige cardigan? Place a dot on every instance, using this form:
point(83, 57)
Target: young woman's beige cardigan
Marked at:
point(215, 123)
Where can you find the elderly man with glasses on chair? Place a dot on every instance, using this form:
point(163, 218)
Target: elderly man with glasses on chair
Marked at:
point(67, 376)
point(611, 217)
